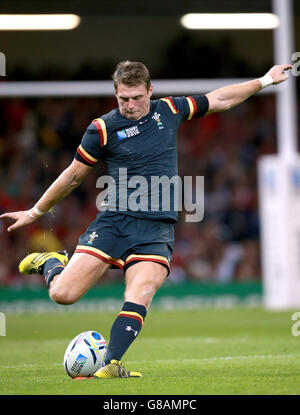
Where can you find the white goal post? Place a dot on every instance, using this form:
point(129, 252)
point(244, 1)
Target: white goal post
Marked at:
point(31, 89)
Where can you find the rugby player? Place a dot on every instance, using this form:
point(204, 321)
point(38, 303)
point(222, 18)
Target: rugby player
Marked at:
point(139, 136)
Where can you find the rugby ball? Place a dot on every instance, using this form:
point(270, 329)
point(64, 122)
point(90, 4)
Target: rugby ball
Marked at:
point(85, 354)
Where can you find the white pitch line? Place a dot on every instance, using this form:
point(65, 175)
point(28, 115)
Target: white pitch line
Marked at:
point(204, 359)
point(29, 365)
point(212, 359)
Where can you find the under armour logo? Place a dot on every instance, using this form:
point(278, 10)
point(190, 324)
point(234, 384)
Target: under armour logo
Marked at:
point(129, 328)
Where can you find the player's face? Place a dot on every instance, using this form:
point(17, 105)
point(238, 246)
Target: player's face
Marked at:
point(134, 101)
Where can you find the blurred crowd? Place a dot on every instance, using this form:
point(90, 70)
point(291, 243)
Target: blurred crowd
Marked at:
point(39, 137)
point(184, 56)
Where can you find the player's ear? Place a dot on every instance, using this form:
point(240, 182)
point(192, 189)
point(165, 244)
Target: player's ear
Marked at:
point(150, 90)
point(116, 89)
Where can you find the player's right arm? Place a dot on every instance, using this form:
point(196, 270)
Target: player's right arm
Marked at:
point(66, 182)
point(87, 155)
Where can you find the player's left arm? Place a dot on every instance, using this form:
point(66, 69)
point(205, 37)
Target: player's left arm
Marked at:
point(229, 96)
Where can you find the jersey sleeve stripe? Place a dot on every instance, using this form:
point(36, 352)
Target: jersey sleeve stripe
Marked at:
point(101, 127)
point(85, 155)
point(193, 107)
point(171, 104)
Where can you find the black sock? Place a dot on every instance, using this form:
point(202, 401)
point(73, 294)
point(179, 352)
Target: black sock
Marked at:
point(50, 269)
point(125, 329)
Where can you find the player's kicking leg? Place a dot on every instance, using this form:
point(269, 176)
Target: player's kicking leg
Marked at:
point(69, 281)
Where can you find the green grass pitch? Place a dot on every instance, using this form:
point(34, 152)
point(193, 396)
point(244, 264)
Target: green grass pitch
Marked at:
point(184, 352)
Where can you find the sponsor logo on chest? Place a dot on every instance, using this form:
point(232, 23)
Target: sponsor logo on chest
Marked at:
point(128, 132)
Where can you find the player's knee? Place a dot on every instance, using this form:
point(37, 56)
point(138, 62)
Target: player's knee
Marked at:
point(141, 294)
point(64, 297)
point(147, 292)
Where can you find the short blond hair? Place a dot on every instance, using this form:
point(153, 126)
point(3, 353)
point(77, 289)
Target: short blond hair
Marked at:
point(131, 74)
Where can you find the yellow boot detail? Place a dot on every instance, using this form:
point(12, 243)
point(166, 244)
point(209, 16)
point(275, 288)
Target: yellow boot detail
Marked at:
point(32, 263)
point(115, 369)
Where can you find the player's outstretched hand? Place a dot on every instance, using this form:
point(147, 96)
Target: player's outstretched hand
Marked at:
point(277, 73)
point(21, 218)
